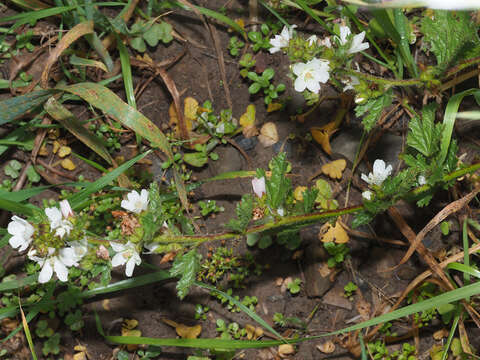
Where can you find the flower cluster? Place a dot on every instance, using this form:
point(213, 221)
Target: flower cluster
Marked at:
point(61, 254)
point(309, 75)
point(376, 178)
point(59, 242)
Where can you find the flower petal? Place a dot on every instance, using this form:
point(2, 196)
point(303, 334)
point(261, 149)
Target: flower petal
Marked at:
point(118, 260)
point(299, 84)
point(60, 269)
point(118, 247)
point(130, 266)
point(46, 273)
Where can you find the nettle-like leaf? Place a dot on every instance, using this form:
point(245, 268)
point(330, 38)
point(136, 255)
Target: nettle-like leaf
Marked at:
point(459, 42)
point(152, 220)
point(278, 186)
point(158, 31)
point(424, 135)
point(186, 266)
point(372, 109)
point(244, 213)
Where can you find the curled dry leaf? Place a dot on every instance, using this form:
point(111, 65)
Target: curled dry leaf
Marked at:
point(327, 347)
point(247, 121)
point(329, 233)
point(274, 107)
point(184, 331)
point(268, 134)
point(440, 334)
point(253, 332)
point(68, 164)
point(285, 349)
point(190, 109)
point(335, 168)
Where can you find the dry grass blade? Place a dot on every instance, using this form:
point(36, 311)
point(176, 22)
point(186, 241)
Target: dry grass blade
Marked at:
point(72, 35)
point(437, 219)
point(172, 88)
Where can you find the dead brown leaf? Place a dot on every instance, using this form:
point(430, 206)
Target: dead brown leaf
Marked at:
point(335, 168)
point(184, 331)
point(327, 347)
point(329, 233)
point(285, 349)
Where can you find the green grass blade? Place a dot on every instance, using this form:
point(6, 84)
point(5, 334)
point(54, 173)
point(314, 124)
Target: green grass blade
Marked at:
point(213, 14)
point(28, 335)
point(453, 329)
point(403, 28)
point(464, 268)
point(90, 162)
point(245, 309)
point(15, 107)
point(449, 120)
point(16, 207)
point(314, 16)
point(99, 184)
point(24, 194)
point(18, 284)
point(126, 73)
point(274, 13)
point(106, 100)
point(466, 256)
point(32, 16)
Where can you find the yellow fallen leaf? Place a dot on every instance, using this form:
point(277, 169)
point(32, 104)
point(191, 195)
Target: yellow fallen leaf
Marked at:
point(440, 334)
point(335, 168)
point(80, 356)
point(322, 137)
point(56, 146)
point(253, 332)
point(80, 348)
point(43, 151)
point(274, 107)
point(184, 331)
point(129, 324)
point(268, 134)
point(285, 349)
point(68, 164)
point(329, 233)
point(106, 304)
point(190, 108)
point(248, 118)
point(64, 151)
point(298, 192)
point(327, 347)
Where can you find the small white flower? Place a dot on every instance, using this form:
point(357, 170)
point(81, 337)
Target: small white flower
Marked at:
point(54, 263)
point(21, 231)
point(326, 42)
point(151, 247)
point(259, 186)
point(422, 180)
point(344, 33)
point(368, 195)
point(136, 202)
point(80, 248)
point(220, 128)
point(312, 40)
point(311, 74)
point(357, 41)
point(125, 254)
point(452, 5)
point(281, 211)
point(380, 173)
point(359, 99)
point(358, 44)
point(57, 222)
point(282, 40)
point(350, 82)
point(66, 209)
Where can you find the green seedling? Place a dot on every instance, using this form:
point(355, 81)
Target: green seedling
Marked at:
point(201, 312)
point(234, 46)
point(350, 289)
point(260, 39)
point(262, 82)
point(337, 253)
point(294, 286)
point(146, 32)
point(52, 345)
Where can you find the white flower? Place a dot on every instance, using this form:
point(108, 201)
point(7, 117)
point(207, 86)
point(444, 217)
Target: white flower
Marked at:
point(344, 33)
point(281, 211)
point(350, 83)
point(57, 222)
point(380, 173)
point(282, 40)
point(326, 42)
point(357, 41)
point(21, 231)
point(54, 263)
point(312, 40)
point(136, 202)
point(358, 44)
point(80, 248)
point(422, 180)
point(125, 254)
point(259, 186)
point(452, 5)
point(311, 74)
point(367, 195)
point(66, 209)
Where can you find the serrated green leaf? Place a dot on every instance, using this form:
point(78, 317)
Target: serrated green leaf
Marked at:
point(451, 36)
point(278, 185)
point(244, 213)
point(186, 266)
point(424, 136)
point(138, 44)
point(32, 175)
point(197, 159)
point(372, 109)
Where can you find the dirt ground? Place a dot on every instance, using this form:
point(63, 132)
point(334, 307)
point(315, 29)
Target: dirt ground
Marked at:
point(197, 75)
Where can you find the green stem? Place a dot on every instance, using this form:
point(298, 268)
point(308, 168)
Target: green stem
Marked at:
point(469, 62)
point(380, 80)
point(280, 224)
